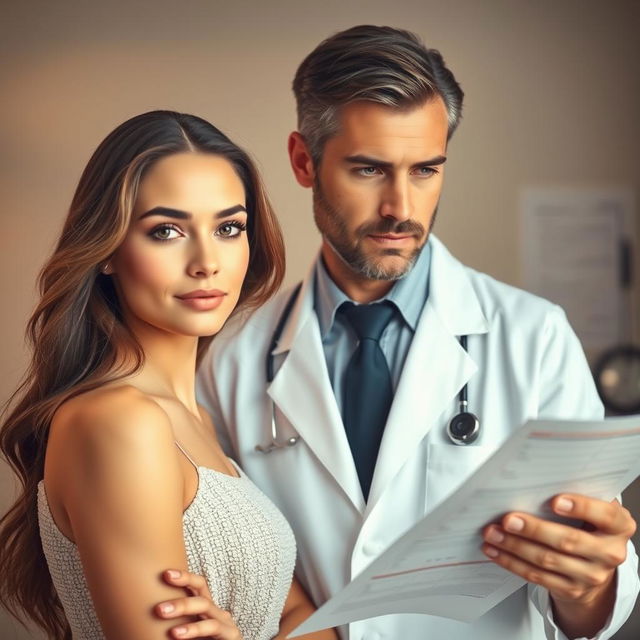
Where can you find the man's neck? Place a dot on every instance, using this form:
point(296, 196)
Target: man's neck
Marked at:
point(358, 288)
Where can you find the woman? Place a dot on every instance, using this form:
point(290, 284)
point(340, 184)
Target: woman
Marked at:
point(170, 228)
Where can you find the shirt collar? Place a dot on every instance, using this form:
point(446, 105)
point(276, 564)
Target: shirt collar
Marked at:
point(327, 297)
point(408, 294)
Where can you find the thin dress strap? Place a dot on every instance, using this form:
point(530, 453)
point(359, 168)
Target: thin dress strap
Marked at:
point(187, 456)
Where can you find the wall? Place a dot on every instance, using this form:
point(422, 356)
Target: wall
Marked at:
point(552, 98)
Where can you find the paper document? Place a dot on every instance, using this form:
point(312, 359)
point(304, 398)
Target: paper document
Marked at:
point(437, 566)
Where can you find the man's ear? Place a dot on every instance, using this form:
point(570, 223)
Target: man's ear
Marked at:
point(300, 159)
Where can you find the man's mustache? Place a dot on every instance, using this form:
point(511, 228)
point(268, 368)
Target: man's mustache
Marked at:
point(388, 225)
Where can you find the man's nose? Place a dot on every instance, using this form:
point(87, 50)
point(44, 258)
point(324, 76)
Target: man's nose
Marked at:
point(396, 200)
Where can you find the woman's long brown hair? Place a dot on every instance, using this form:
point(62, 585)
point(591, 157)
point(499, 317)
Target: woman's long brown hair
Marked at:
point(77, 330)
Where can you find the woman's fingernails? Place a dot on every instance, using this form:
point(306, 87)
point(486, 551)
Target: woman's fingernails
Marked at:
point(565, 505)
point(167, 607)
point(491, 552)
point(172, 573)
point(180, 631)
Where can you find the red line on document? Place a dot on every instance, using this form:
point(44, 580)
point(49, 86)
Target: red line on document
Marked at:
point(584, 435)
point(437, 566)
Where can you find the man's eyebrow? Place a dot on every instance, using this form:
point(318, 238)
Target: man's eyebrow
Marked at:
point(370, 161)
point(183, 215)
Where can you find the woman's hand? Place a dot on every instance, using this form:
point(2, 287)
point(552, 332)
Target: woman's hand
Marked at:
point(215, 623)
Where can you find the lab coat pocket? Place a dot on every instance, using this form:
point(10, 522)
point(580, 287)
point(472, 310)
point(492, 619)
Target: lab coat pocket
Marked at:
point(448, 466)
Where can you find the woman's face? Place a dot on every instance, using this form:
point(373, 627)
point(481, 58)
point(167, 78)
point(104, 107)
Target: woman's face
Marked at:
point(181, 266)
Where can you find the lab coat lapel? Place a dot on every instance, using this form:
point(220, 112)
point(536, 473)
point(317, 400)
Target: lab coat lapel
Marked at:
point(436, 368)
point(302, 391)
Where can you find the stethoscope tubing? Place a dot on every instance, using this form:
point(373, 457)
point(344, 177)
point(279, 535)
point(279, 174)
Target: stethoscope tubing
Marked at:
point(277, 334)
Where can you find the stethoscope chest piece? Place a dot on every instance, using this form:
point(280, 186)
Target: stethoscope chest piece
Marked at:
point(463, 428)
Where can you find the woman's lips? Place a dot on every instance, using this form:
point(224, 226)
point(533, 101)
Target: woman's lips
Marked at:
point(202, 300)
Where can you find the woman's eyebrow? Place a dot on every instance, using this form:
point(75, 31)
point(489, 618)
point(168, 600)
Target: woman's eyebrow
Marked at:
point(183, 215)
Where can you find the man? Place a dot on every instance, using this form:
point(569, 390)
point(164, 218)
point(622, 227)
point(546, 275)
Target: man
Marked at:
point(366, 391)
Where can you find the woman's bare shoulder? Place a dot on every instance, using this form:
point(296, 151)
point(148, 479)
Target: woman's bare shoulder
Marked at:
point(121, 417)
point(111, 449)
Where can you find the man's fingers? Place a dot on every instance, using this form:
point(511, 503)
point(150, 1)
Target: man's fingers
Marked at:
point(608, 550)
point(196, 583)
point(555, 583)
point(607, 517)
point(542, 557)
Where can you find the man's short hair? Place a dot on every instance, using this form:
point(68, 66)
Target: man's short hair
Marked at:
point(383, 65)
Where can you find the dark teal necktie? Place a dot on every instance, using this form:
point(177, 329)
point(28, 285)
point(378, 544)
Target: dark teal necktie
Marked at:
point(367, 391)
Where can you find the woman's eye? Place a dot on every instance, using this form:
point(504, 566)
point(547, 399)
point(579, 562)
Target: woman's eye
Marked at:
point(230, 229)
point(165, 232)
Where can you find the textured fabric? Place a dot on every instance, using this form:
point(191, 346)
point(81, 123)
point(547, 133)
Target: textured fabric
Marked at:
point(234, 536)
point(339, 341)
point(368, 391)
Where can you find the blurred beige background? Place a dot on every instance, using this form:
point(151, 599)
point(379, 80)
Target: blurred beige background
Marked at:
point(552, 99)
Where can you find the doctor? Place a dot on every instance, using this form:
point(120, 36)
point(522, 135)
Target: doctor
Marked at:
point(367, 366)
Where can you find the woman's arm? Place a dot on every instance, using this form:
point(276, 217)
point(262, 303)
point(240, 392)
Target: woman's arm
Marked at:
point(297, 609)
point(122, 488)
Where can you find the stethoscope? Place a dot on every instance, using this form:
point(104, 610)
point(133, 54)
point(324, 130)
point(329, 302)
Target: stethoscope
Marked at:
point(277, 334)
point(463, 428)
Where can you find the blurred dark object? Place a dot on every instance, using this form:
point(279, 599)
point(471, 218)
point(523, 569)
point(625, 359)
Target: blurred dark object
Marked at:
point(617, 376)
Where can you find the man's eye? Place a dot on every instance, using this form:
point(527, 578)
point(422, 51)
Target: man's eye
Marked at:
point(368, 171)
point(165, 232)
point(426, 171)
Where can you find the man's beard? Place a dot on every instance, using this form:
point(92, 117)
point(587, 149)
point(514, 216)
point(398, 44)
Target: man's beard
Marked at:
point(331, 224)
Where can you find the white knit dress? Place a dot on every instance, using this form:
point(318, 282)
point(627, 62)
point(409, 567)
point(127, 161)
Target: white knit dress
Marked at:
point(234, 536)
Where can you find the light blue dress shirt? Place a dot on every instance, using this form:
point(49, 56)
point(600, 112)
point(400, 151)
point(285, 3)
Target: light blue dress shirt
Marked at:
point(339, 340)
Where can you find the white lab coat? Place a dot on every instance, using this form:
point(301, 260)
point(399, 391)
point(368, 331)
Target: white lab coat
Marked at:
point(523, 361)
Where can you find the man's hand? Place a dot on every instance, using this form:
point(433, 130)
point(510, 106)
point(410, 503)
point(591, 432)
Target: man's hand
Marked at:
point(214, 622)
point(577, 566)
